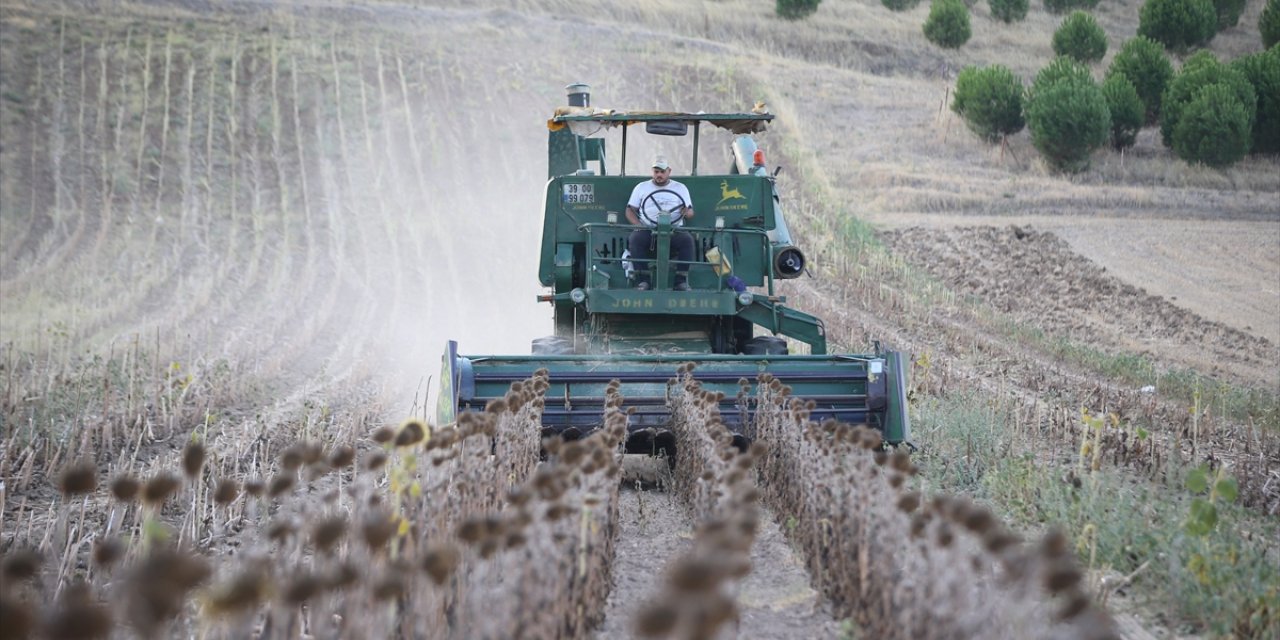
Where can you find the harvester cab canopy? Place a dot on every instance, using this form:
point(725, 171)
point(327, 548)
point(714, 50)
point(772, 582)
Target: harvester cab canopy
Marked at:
point(637, 318)
point(585, 122)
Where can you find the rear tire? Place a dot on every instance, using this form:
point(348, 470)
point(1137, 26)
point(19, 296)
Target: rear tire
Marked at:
point(765, 346)
point(552, 346)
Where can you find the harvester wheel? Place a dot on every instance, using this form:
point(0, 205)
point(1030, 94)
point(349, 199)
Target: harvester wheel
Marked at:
point(552, 346)
point(765, 346)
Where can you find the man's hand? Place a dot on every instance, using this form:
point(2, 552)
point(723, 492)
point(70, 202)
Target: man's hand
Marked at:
point(687, 214)
point(633, 216)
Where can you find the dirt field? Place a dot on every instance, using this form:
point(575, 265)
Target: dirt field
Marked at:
point(253, 226)
point(1036, 277)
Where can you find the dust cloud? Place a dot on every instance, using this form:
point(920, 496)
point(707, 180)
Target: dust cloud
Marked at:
point(315, 198)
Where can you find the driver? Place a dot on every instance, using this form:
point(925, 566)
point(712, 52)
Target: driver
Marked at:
point(648, 199)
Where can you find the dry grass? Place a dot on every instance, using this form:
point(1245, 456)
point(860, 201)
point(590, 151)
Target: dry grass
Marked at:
point(860, 69)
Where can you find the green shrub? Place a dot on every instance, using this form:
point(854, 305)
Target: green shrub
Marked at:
point(1200, 60)
point(1178, 24)
point(1126, 108)
point(948, 23)
point(1269, 23)
point(1143, 62)
point(1009, 10)
point(900, 5)
point(796, 9)
point(1068, 115)
point(990, 101)
point(1228, 12)
point(1262, 70)
point(1198, 72)
point(1214, 128)
point(1081, 38)
point(1060, 68)
point(1063, 6)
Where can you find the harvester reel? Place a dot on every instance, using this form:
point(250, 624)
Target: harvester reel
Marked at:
point(653, 219)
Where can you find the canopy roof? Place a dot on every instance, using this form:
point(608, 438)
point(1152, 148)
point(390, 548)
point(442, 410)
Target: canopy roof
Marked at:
point(578, 117)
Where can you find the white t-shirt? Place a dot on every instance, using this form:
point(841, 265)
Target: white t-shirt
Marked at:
point(666, 201)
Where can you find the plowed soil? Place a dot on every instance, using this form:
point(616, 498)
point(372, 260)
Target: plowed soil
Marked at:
point(775, 600)
point(1036, 278)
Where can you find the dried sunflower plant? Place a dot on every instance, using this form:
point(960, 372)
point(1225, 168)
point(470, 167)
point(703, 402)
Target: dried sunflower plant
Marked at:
point(456, 533)
point(715, 481)
point(900, 564)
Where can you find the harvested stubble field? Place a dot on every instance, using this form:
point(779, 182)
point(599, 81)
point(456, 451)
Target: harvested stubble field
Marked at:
point(234, 236)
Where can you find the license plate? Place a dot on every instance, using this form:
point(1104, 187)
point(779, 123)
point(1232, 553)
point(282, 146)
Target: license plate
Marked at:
point(579, 193)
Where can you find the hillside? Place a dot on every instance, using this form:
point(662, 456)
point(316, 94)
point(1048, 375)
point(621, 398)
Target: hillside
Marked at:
point(252, 223)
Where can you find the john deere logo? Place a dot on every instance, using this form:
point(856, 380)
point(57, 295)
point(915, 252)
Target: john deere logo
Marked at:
point(727, 194)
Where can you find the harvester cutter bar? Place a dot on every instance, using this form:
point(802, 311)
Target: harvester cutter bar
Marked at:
point(853, 389)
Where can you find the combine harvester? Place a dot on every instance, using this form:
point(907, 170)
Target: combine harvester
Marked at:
point(606, 328)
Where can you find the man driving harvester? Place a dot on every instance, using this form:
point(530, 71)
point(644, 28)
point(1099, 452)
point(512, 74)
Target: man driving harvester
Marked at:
point(648, 200)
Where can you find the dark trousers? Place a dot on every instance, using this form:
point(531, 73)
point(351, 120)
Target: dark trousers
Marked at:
point(681, 249)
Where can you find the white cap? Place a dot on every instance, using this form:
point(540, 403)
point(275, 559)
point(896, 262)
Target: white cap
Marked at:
point(660, 162)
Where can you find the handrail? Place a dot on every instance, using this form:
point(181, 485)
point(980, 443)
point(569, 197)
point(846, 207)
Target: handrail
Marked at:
point(661, 261)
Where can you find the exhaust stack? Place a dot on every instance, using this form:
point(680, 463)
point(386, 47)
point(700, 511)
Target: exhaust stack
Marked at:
point(579, 94)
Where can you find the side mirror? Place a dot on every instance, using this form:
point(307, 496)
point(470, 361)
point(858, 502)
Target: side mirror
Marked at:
point(666, 127)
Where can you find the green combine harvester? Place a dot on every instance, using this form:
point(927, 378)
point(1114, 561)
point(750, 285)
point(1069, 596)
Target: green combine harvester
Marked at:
point(728, 320)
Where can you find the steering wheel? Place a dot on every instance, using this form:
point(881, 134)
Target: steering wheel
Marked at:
point(653, 219)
